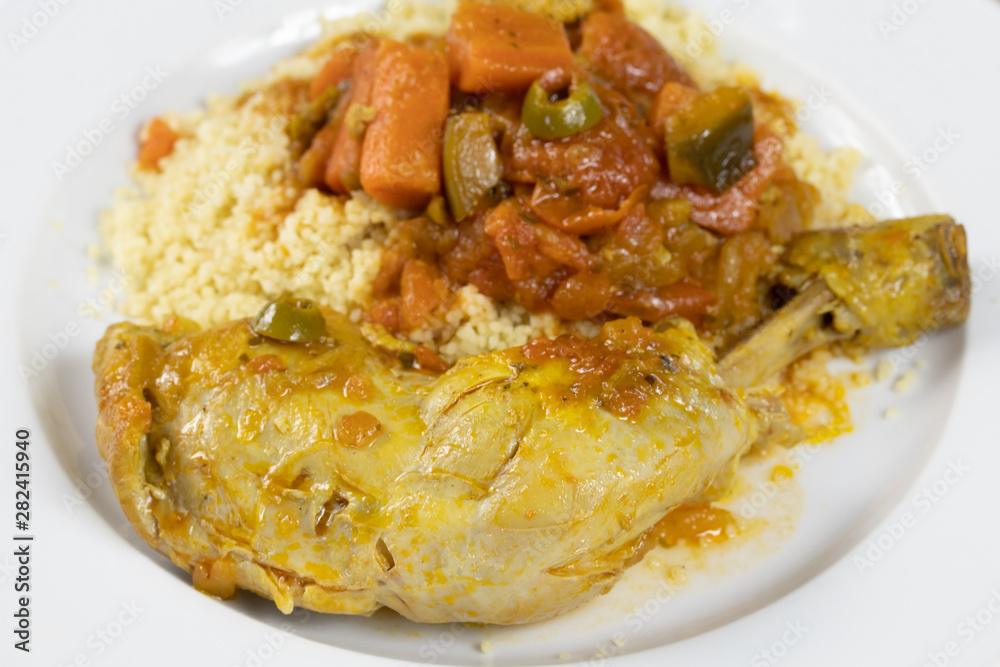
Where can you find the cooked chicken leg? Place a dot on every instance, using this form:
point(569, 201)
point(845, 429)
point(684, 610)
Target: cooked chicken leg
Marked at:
point(883, 286)
point(512, 488)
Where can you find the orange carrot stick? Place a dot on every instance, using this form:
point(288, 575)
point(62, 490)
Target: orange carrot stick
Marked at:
point(401, 157)
point(501, 48)
point(339, 68)
point(343, 171)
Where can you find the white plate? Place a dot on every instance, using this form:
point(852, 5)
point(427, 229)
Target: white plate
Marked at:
point(894, 79)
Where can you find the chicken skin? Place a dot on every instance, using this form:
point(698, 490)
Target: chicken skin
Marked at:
point(336, 476)
point(512, 488)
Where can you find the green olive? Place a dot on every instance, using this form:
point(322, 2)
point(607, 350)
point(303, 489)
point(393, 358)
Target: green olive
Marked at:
point(548, 119)
point(290, 320)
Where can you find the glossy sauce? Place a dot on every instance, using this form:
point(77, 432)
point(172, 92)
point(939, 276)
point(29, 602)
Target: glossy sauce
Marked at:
point(696, 524)
point(585, 226)
point(610, 368)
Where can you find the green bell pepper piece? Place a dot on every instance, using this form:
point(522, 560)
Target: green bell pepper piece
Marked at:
point(710, 140)
point(472, 165)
